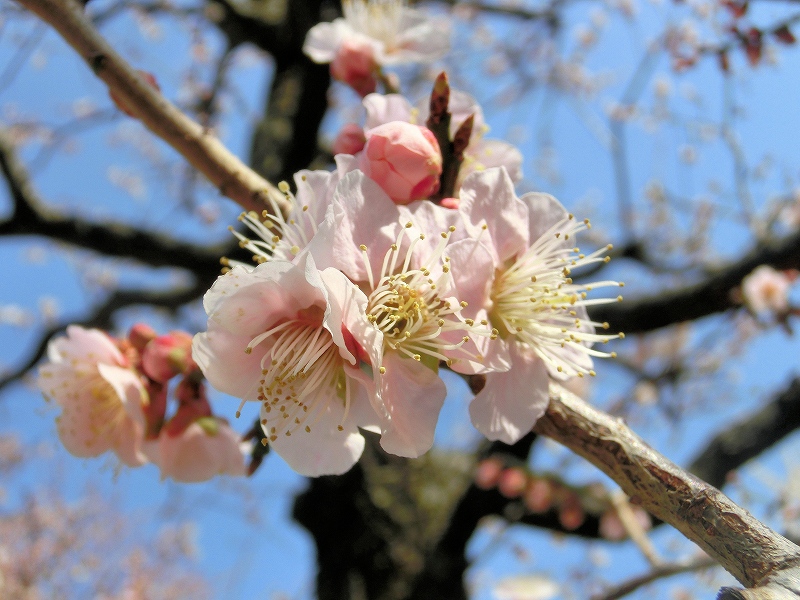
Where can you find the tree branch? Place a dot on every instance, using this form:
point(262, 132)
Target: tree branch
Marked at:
point(206, 153)
point(749, 437)
point(750, 551)
point(701, 299)
point(659, 572)
point(31, 217)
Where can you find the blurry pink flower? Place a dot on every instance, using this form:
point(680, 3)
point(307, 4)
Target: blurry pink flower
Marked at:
point(512, 482)
point(166, 356)
point(206, 448)
point(767, 290)
point(275, 337)
point(349, 140)
point(404, 159)
point(101, 397)
point(488, 473)
point(396, 33)
point(355, 65)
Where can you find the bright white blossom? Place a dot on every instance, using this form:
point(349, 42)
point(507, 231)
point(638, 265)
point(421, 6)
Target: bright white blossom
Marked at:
point(100, 395)
point(282, 334)
point(395, 33)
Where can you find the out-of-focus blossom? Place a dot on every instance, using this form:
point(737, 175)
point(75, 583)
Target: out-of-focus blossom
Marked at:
point(530, 298)
point(526, 587)
point(206, 448)
point(276, 335)
point(101, 397)
point(611, 527)
point(766, 290)
point(397, 34)
point(404, 159)
point(350, 140)
point(166, 356)
point(355, 65)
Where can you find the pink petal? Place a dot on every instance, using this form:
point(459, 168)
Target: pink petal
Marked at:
point(511, 402)
point(413, 395)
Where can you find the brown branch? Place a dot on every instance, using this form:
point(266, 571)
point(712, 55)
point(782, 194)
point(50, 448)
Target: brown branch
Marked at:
point(31, 217)
point(659, 572)
point(750, 551)
point(701, 299)
point(749, 437)
point(205, 152)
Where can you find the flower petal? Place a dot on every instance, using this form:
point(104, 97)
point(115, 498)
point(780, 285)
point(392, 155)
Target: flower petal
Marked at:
point(510, 403)
point(413, 395)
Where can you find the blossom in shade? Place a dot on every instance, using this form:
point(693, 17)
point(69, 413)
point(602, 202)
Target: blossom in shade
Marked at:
point(396, 33)
point(766, 290)
point(206, 448)
point(290, 337)
point(166, 356)
point(100, 395)
point(531, 299)
point(404, 159)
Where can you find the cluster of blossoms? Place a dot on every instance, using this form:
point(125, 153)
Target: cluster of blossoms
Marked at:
point(113, 396)
point(376, 277)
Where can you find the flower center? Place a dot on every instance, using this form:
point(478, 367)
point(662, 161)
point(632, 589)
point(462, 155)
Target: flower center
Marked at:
point(536, 301)
point(301, 373)
point(406, 307)
point(279, 238)
point(379, 19)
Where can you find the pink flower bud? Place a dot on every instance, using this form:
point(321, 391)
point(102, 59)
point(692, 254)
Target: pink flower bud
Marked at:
point(488, 473)
point(404, 159)
point(512, 482)
point(349, 140)
point(140, 334)
point(355, 65)
point(571, 514)
point(167, 356)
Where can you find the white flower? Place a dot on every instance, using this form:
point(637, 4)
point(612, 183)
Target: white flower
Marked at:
point(767, 290)
point(397, 34)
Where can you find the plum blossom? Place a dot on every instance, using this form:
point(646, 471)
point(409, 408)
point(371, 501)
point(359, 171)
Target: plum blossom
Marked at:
point(395, 33)
point(766, 290)
point(100, 395)
point(284, 237)
point(539, 312)
point(355, 65)
point(206, 448)
point(400, 257)
point(284, 335)
point(404, 159)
